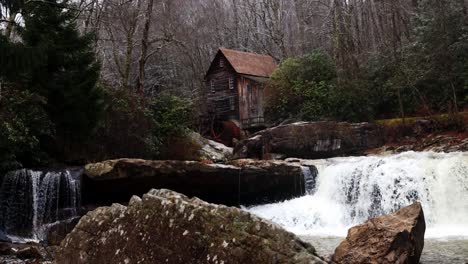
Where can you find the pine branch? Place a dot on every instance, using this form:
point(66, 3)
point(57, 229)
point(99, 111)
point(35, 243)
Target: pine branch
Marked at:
point(53, 4)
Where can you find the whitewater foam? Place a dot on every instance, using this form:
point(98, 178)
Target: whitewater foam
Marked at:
point(351, 190)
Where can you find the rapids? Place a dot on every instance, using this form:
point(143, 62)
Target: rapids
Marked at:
point(350, 190)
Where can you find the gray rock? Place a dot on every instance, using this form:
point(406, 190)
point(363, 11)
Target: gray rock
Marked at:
point(167, 227)
point(311, 140)
point(211, 150)
point(57, 232)
point(240, 183)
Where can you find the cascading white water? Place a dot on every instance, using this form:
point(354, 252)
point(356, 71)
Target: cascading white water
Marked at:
point(309, 175)
point(30, 201)
point(351, 190)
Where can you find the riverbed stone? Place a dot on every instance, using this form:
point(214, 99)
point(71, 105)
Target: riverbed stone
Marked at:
point(30, 252)
point(167, 227)
point(395, 238)
point(311, 140)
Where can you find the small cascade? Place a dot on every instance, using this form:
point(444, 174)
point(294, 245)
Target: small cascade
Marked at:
point(309, 174)
point(351, 190)
point(30, 201)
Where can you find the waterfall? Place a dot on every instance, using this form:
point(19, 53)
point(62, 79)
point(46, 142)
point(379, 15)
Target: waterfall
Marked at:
point(309, 174)
point(351, 190)
point(31, 201)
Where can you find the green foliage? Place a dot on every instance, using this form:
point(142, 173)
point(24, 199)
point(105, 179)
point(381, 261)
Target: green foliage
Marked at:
point(138, 127)
point(124, 129)
point(61, 110)
point(300, 88)
point(434, 67)
point(67, 72)
point(307, 89)
point(15, 59)
point(353, 100)
point(170, 117)
point(23, 122)
point(54, 72)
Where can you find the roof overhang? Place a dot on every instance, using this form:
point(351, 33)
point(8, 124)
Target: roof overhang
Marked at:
point(258, 79)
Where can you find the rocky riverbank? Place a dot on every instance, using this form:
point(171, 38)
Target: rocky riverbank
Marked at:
point(237, 183)
point(167, 227)
point(311, 140)
point(445, 142)
point(321, 140)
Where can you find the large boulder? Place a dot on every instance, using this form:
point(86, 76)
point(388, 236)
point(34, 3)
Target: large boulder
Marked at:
point(311, 140)
point(211, 150)
point(167, 227)
point(395, 238)
point(58, 231)
point(239, 184)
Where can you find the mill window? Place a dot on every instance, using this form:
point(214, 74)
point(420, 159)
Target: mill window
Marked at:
point(221, 63)
point(212, 86)
point(231, 83)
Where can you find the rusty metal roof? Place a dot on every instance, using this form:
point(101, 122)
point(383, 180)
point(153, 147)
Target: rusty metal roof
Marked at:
point(250, 63)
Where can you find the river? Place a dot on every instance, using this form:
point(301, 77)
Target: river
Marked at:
point(348, 191)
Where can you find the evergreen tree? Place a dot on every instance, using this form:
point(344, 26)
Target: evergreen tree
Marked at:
point(68, 71)
point(436, 63)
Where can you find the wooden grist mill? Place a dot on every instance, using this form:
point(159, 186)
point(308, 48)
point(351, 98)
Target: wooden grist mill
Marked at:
point(235, 94)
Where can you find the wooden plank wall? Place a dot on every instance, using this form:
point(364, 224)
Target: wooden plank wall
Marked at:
point(251, 98)
point(218, 102)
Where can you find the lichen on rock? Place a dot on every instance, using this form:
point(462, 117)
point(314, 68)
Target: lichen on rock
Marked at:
point(168, 227)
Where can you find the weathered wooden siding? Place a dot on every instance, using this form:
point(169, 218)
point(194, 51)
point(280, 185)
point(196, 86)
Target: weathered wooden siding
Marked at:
point(223, 101)
point(244, 102)
point(251, 100)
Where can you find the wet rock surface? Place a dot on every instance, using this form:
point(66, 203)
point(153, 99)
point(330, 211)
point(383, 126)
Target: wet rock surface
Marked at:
point(59, 231)
point(393, 238)
point(167, 227)
point(11, 253)
point(236, 184)
point(311, 140)
point(30, 252)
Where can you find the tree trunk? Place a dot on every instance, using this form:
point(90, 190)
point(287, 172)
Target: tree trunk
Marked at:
point(144, 49)
point(10, 24)
point(455, 103)
point(402, 110)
